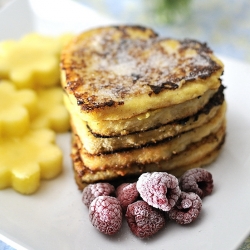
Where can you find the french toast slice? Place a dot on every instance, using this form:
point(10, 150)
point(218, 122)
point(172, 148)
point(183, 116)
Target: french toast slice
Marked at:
point(150, 153)
point(145, 121)
point(119, 72)
point(95, 144)
point(140, 103)
point(196, 155)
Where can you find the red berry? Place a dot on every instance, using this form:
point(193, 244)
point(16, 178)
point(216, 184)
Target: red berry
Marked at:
point(159, 189)
point(127, 193)
point(144, 220)
point(197, 180)
point(187, 208)
point(92, 191)
point(105, 214)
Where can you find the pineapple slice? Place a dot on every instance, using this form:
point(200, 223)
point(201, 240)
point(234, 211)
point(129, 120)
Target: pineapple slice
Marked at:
point(30, 106)
point(51, 112)
point(27, 159)
point(33, 61)
point(16, 109)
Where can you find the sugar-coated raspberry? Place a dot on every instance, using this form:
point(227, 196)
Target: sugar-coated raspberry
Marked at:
point(197, 180)
point(105, 214)
point(92, 191)
point(144, 220)
point(127, 193)
point(159, 189)
point(187, 208)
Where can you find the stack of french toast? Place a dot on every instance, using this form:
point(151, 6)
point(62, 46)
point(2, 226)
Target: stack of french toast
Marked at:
point(141, 103)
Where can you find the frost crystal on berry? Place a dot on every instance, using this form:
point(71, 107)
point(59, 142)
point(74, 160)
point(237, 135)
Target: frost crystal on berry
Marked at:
point(197, 180)
point(187, 208)
point(127, 193)
point(144, 220)
point(92, 191)
point(105, 214)
point(159, 189)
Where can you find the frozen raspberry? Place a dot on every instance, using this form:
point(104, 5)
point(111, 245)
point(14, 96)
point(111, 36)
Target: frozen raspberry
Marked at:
point(197, 180)
point(92, 191)
point(105, 214)
point(144, 220)
point(127, 193)
point(187, 208)
point(159, 189)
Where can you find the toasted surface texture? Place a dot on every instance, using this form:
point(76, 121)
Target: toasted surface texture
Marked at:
point(96, 144)
point(153, 152)
point(144, 121)
point(140, 103)
point(197, 154)
point(109, 71)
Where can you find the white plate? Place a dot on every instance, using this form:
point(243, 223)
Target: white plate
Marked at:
point(55, 218)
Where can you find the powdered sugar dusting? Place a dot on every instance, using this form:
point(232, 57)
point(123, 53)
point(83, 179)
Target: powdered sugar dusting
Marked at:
point(126, 193)
point(159, 189)
point(117, 67)
point(92, 191)
point(105, 214)
point(187, 208)
point(197, 180)
point(143, 220)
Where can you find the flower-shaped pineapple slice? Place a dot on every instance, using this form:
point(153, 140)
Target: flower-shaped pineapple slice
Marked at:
point(32, 61)
point(27, 159)
point(51, 112)
point(16, 107)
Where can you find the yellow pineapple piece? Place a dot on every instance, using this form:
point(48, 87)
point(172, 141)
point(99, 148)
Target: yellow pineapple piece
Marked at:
point(51, 112)
point(28, 152)
point(32, 61)
point(27, 159)
point(16, 107)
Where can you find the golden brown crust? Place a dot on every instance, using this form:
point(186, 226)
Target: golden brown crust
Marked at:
point(152, 152)
point(121, 77)
point(160, 117)
point(196, 155)
point(106, 67)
